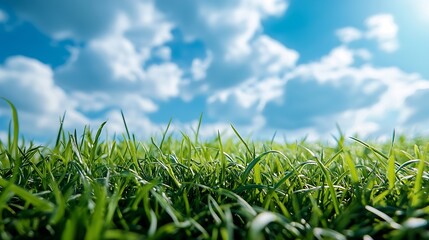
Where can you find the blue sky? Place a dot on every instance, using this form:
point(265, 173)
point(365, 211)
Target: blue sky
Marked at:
point(297, 67)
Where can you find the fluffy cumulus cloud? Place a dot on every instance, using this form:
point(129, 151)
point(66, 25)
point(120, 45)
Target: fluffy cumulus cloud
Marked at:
point(381, 27)
point(224, 26)
point(231, 31)
point(117, 60)
point(31, 80)
point(29, 84)
point(199, 67)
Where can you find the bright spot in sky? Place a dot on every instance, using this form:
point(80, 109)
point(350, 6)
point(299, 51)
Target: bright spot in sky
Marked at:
point(423, 10)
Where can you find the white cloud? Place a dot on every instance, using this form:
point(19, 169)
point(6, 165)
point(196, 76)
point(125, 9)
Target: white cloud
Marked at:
point(348, 34)
point(271, 56)
point(163, 53)
point(251, 93)
point(232, 32)
point(269, 7)
point(114, 64)
point(163, 80)
point(117, 61)
point(328, 68)
point(139, 103)
point(94, 102)
point(363, 54)
point(101, 101)
point(382, 27)
point(226, 27)
point(338, 58)
point(199, 67)
point(3, 16)
point(136, 122)
point(29, 84)
point(122, 58)
point(123, 38)
point(393, 86)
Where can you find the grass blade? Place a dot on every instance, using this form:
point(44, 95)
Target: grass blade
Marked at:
point(60, 130)
point(260, 222)
point(242, 140)
point(13, 148)
point(40, 203)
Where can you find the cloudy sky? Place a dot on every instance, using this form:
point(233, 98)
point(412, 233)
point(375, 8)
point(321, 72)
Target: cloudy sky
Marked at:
point(296, 67)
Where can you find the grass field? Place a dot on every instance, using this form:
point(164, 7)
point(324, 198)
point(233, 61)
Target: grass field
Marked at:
point(84, 187)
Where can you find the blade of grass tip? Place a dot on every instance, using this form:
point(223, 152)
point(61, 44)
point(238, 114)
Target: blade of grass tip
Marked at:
point(153, 224)
point(130, 143)
point(126, 126)
point(246, 206)
point(370, 147)
point(383, 216)
point(341, 139)
point(60, 130)
point(15, 122)
point(333, 158)
point(197, 133)
point(273, 138)
point(95, 145)
point(213, 205)
point(76, 150)
point(165, 133)
point(242, 140)
point(82, 140)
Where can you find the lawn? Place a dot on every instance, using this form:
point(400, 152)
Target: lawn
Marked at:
point(84, 186)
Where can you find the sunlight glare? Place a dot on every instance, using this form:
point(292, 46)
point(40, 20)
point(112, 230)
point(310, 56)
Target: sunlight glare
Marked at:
point(422, 7)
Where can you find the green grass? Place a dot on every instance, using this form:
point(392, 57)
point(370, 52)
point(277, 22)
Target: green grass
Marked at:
point(84, 187)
